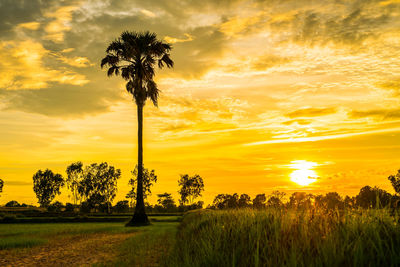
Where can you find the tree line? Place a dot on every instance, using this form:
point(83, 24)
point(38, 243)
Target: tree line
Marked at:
point(368, 197)
point(94, 187)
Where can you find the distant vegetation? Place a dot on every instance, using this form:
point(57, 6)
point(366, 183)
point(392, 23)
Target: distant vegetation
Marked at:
point(93, 189)
point(1, 185)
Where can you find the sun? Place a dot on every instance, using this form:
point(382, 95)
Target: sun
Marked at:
point(303, 173)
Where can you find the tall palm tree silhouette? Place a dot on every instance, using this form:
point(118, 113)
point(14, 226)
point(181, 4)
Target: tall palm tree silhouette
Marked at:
point(134, 56)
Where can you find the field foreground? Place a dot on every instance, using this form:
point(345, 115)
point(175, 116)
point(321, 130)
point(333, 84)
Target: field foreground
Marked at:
point(272, 237)
point(85, 244)
point(288, 238)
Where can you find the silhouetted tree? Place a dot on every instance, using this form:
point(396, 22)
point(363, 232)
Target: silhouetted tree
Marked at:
point(149, 178)
point(373, 197)
point(300, 200)
point(12, 203)
point(276, 199)
point(259, 201)
point(226, 201)
point(69, 207)
point(99, 184)
point(134, 56)
point(166, 201)
point(1, 185)
point(121, 206)
point(74, 177)
point(46, 186)
point(244, 201)
point(395, 181)
point(191, 188)
point(350, 202)
point(333, 201)
point(55, 207)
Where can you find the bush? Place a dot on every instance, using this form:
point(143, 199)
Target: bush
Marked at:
point(69, 207)
point(9, 218)
point(121, 206)
point(12, 204)
point(55, 207)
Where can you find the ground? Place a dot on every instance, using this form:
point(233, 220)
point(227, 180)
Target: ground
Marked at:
point(84, 244)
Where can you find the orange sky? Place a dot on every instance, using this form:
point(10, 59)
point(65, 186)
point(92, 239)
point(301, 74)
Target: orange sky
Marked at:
point(257, 85)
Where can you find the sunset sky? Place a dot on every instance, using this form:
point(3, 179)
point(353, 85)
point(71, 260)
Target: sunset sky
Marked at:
point(258, 88)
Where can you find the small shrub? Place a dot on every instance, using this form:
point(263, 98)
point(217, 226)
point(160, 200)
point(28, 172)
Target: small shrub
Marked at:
point(9, 218)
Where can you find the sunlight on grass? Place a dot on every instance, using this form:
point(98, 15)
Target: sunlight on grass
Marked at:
point(287, 238)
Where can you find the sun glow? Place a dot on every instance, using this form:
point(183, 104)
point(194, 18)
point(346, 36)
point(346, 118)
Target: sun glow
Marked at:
point(303, 173)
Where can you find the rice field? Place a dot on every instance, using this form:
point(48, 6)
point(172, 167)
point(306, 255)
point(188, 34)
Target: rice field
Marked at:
point(279, 237)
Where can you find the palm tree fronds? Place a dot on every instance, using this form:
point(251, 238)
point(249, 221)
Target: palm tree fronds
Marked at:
point(134, 56)
point(153, 92)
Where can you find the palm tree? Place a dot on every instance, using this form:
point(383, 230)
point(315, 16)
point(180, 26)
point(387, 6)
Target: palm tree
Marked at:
point(134, 56)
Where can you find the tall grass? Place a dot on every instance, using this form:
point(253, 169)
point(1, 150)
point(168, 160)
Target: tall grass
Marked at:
point(287, 238)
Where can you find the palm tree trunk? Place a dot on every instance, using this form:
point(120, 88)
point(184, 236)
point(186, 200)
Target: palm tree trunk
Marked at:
point(139, 216)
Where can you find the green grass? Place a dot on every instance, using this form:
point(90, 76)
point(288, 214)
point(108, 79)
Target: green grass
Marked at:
point(28, 235)
point(271, 237)
point(287, 238)
point(9, 242)
point(149, 247)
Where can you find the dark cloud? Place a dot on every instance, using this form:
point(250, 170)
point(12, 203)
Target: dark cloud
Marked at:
point(16, 183)
point(347, 23)
point(311, 112)
point(393, 84)
point(14, 12)
point(268, 61)
point(384, 114)
point(61, 101)
point(193, 59)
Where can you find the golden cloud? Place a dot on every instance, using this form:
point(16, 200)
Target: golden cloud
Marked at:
point(56, 28)
point(21, 65)
point(173, 40)
point(30, 25)
point(311, 112)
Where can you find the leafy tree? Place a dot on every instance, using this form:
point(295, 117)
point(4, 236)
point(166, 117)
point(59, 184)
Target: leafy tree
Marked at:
point(134, 56)
point(166, 201)
point(191, 188)
point(149, 178)
point(244, 201)
point(121, 206)
point(55, 207)
point(226, 201)
point(300, 200)
point(69, 207)
point(1, 185)
point(349, 201)
point(99, 184)
point(259, 201)
point(333, 201)
point(74, 177)
point(46, 186)
point(12, 204)
point(369, 197)
point(276, 199)
point(395, 181)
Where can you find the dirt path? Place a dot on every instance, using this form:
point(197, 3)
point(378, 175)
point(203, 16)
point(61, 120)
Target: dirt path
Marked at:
point(76, 250)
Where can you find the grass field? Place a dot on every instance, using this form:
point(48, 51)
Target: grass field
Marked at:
point(28, 235)
point(287, 238)
point(75, 244)
point(224, 238)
